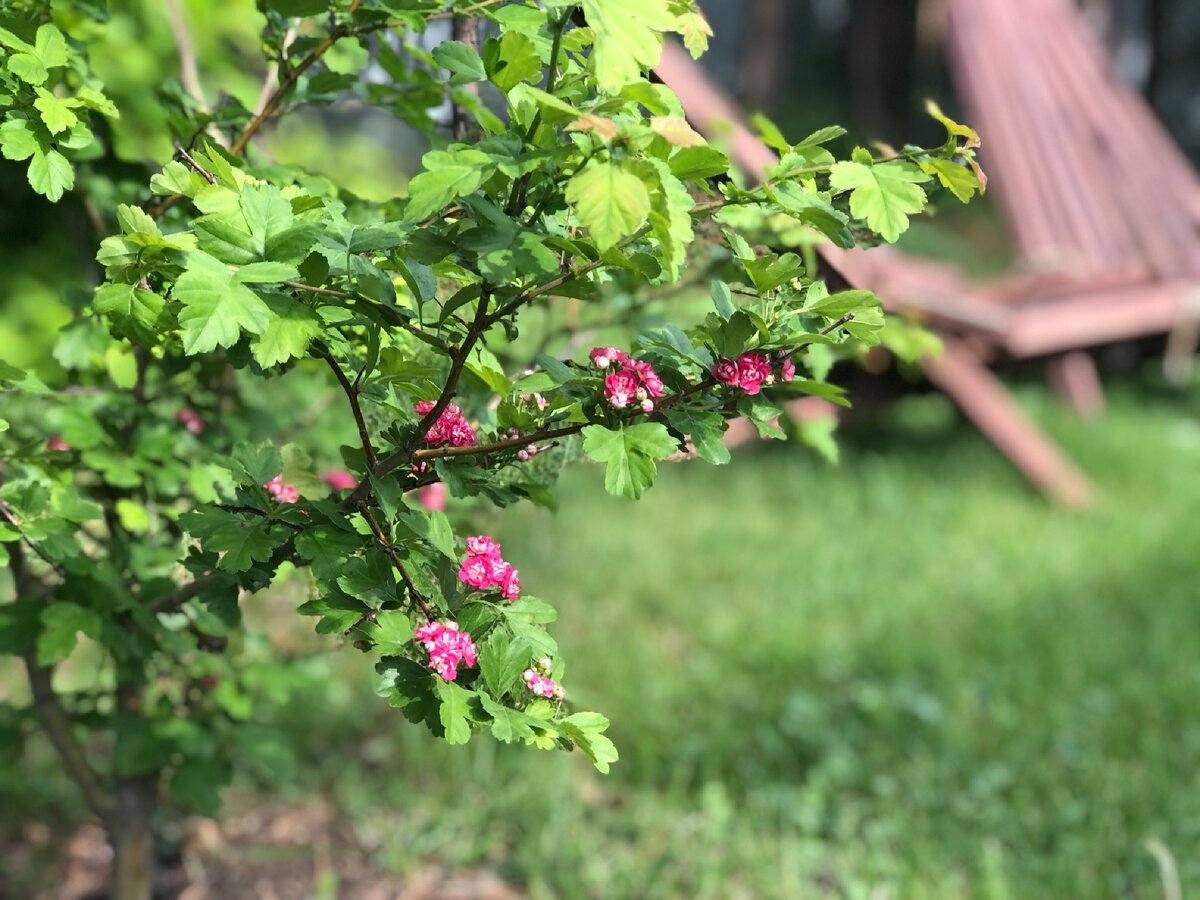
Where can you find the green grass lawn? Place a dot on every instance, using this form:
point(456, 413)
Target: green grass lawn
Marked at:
point(906, 676)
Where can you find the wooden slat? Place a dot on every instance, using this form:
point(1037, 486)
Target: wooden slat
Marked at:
point(1096, 317)
point(988, 404)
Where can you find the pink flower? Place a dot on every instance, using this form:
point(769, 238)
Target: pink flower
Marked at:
point(754, 370)
point(451, 426)
point(482, 545)
point(726, 372)
point(510, 584)
point(787, 369)
point(57, 444)
point(749, 372)
point(536, 399)
point(542, 686)
point(433, 496)
point(484, 568)
point(339, 479)
point(478, 572)
point(620, 389)
point(447, 647)
point(190, 420)
point(646, 375)
point(284, 493)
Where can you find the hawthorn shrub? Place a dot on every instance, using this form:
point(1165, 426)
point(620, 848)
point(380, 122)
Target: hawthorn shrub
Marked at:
point(140, 503)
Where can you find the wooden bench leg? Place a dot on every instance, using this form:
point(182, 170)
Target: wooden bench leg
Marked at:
point(1075, 379)
point(988, 404)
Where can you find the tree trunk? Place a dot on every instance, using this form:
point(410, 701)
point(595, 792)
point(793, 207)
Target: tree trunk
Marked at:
point(132, 838)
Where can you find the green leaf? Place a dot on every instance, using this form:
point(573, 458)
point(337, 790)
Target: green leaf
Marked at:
point(705, 429)
point(216, 308)
point(697, 163)
point(50, 174)
point(262, 272)
point(290, 329)
point(610, 200)
point(587, 730)
point(50, 47)
point(391, 632)
point(883, 195)
point(448, 175)
point(628, 38)
point(57, 114)
point(812, 209)
point(18, 141)
point(61, 624)
point(517, 62)
point(722, 298)
point(460, 60)
point(670, 216)
point(136, 312)
point(502, 660)
point(508, 725)
point(961, 181)
point(28, 68)
point(834, 306)
point(135, 518)
point(243, 544)
point(454, 712)
point(630, 453)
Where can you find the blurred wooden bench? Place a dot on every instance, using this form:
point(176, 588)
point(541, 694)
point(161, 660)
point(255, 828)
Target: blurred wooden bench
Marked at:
point(1104, 211)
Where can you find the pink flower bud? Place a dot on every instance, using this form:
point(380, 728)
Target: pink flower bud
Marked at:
point(339, 479)
point(433, 496)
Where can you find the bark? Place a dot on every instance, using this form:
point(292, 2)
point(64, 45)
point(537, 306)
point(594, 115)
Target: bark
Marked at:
point(131, 835)
point(466, 29)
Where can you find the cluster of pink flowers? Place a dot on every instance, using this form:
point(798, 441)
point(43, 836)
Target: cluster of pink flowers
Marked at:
point(536, 399)
point(284, 493)
point(634, 380)
point(542, 685)
point(484, 568)
point(752, 370)
point(450, 428)
point(57, 444)
point(339, 479)
point(447, 647)
point(190, 420)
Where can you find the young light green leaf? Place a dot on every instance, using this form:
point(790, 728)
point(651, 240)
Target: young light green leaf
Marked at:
point(448, 175)
point(884, 195)
point(610, 200)
point(216, 308)
point(18, 140)
point(50, 174)
point(587, 730)
point(628, 38)
point(57, 114)
point(630, 453)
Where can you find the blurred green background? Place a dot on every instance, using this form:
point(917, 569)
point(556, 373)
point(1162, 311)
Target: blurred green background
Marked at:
point(982, 695)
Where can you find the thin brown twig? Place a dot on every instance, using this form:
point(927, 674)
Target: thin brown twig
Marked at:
point(392, 555)
point(364, 435)
point(181, 151)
